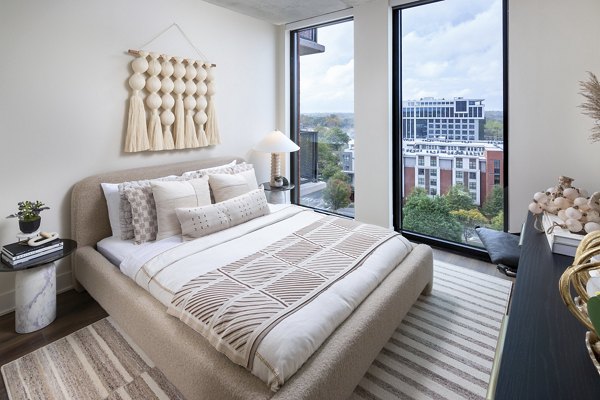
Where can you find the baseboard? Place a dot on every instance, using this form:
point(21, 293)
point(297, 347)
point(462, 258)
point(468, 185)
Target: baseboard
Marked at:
point(7, 299)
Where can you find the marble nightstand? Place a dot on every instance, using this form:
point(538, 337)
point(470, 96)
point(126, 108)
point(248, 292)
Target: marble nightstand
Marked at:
point(277, 194)
point(35, 289)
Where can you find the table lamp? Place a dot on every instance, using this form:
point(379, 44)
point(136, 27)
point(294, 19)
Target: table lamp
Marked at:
point(276, 143)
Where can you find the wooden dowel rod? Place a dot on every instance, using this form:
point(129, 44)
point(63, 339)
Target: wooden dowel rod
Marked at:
point(137, 53)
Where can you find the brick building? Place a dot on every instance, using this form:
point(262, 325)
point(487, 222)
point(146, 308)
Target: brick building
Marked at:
point(437, 165)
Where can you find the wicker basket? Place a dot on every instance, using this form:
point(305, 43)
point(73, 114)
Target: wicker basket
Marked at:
point(577, 275)
point(591, 342)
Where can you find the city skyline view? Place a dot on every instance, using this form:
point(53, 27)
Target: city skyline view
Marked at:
point(452, 128)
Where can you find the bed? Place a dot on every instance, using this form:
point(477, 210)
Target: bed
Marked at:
point(186, 358)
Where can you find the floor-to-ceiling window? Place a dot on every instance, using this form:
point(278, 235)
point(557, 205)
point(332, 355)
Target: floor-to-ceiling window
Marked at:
point(322, 70)
point(450, 116)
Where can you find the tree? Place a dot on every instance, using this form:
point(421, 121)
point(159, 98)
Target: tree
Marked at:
point(331, 143)
point(458, 198)
point(430, 216)
point(469, 219)
point(335, 137)
point(341, 176)
point(498, 221)
point(332, 120)
point(493, 129)
point(337, 192)
point(328, 162)
point(494, 203)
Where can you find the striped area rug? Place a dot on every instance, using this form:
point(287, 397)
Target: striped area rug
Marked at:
point(96, 362)
point(444, 348)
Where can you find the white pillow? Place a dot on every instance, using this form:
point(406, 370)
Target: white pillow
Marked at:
point(169, 195)
point(220, 169)
point(201, 221)
point(113, 200)
point(226, 186)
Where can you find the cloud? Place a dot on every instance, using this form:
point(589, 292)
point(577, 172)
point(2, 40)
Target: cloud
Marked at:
point(327, 79)
point(332, 91)
point(431, 69)
point(463, 37)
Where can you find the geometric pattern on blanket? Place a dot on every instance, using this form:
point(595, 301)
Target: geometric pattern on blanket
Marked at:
point(236, 305)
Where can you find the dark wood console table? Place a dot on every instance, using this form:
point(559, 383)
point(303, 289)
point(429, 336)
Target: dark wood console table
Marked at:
point(544, 354)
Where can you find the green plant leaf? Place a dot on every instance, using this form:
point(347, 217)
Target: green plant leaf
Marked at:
point(593, 307)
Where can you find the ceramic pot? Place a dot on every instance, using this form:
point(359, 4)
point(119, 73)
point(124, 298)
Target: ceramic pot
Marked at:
point(30, 226)
point(277, 181)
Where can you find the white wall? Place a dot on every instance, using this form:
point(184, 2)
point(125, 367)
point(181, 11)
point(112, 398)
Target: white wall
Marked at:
point(64, 98)
point(551, 46)
point(373, 113)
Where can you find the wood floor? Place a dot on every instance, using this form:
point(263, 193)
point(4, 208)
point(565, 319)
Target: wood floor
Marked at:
point(77, 310)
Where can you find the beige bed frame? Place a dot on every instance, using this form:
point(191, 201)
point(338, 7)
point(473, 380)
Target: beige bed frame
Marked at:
point(186, 358)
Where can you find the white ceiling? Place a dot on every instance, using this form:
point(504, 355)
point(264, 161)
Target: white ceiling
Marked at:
point(285, 11)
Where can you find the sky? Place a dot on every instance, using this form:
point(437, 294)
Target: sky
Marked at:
point(327, 79)
point(451, 48)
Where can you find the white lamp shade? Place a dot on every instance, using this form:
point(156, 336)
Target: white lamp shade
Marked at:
point(276, 142)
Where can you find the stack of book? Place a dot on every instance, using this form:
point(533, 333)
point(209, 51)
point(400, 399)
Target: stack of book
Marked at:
point(20, 252)
point(561, 241)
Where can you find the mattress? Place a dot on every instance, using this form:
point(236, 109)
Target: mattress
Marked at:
point(286, 347)
point(116, 250)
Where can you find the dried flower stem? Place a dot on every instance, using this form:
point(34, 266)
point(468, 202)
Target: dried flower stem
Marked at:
point(590, 89)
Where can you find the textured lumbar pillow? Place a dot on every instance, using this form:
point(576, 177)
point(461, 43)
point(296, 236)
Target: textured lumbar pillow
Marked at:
point(143, 213)
point(171, 195)
point(144, 199)
point(201, 221)
point(225, 186)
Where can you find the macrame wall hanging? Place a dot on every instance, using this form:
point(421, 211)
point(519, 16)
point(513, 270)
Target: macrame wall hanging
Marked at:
point(178, 94)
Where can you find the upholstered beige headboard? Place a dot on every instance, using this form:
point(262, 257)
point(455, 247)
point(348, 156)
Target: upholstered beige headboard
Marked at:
point(89, 215)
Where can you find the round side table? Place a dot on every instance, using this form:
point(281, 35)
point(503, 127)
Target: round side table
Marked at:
point(277, 194)
point(35, 289)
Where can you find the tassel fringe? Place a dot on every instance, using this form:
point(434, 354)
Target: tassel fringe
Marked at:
point(212, 129)
point(137, 135)
point(191, 141)
point(179, 124)
point(168, 143)
point(156, 134)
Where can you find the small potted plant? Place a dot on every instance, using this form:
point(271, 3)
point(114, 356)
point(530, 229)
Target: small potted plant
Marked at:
point(29, 215)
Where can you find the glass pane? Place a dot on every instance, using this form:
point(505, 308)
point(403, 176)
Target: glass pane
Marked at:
point(326, 108)
point(452, 118)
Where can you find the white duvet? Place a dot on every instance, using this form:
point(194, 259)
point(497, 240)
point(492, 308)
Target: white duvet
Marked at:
point(287, 346)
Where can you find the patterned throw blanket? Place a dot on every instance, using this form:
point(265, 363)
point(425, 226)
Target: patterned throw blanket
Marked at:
point(236, 305)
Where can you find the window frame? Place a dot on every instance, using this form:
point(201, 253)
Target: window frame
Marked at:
point(294, 109)
point(397, 179)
